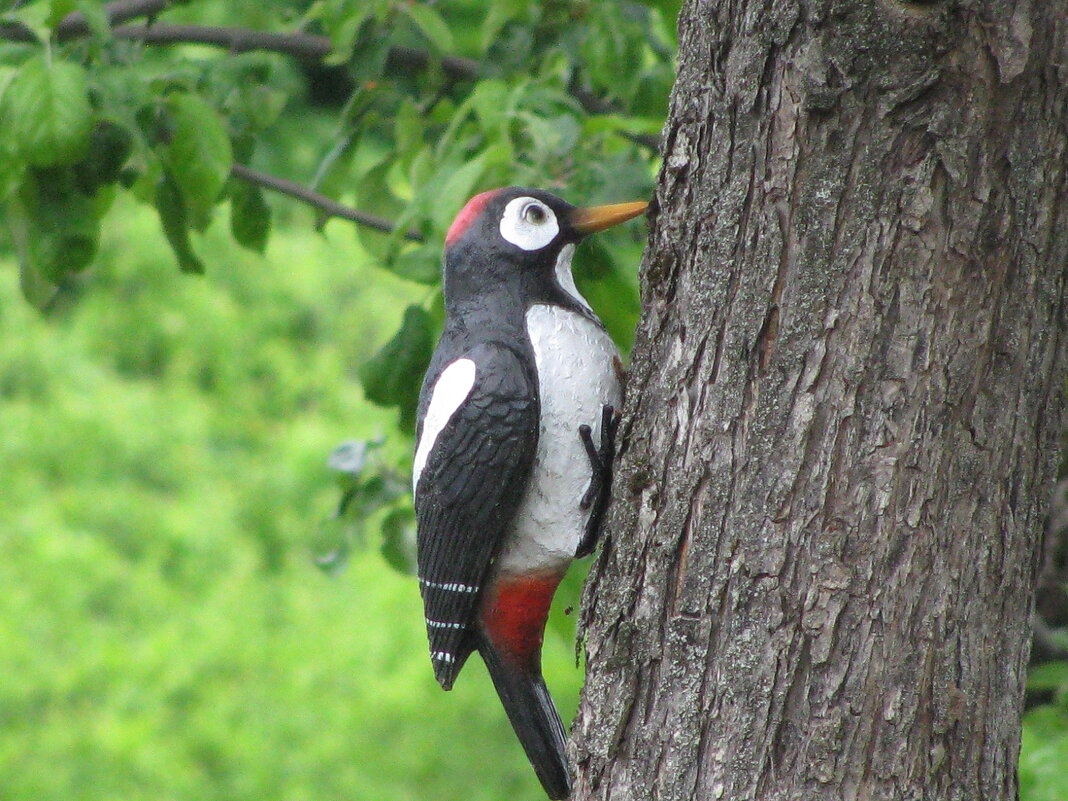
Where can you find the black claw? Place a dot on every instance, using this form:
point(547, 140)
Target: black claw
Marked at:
point(586, 435)
point(591, 494)
point(609, 424)
point(601, 479)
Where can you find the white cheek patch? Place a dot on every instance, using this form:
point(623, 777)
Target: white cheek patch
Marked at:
point(527, 234)
point(564, 277)
point(450, 391)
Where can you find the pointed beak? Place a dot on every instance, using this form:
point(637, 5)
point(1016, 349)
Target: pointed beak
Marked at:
point(597, 218)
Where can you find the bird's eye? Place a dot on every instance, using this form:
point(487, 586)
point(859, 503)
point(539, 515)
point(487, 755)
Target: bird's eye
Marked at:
point(528, 223)
point(535, 213)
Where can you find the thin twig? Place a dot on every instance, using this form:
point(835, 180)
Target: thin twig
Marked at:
point(329, 206)
point(306, 46)
point(75, 23)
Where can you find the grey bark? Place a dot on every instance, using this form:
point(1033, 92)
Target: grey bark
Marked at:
point(843, 409)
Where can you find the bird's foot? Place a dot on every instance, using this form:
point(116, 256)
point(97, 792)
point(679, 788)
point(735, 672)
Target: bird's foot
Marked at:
point(601, 457)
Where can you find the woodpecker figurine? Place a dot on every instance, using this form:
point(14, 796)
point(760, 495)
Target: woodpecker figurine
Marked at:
point(515, 438)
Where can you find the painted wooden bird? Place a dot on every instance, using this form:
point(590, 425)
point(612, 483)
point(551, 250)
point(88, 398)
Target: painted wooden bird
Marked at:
point(515, 436)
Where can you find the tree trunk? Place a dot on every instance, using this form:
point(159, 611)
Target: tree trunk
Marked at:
point(843, 410)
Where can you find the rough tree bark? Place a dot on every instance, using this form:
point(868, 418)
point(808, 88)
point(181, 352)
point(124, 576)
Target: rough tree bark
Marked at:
point(843, 410)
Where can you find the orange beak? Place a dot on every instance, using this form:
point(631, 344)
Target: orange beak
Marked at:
point(597, 218)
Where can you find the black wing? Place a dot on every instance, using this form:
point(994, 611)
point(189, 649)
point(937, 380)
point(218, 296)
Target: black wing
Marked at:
point(466, 496)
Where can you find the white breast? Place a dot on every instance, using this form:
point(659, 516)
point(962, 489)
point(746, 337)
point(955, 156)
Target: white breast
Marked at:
point(576, 363)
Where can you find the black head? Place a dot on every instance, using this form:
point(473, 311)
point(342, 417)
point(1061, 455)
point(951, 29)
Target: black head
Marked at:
point(520, 240)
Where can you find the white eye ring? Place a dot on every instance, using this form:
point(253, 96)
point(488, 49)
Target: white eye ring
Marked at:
point(528, 223)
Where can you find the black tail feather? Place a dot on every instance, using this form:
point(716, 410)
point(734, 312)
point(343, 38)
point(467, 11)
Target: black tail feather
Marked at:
point(533, 715)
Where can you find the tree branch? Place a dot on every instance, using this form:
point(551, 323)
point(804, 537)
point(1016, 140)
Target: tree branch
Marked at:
point(75, 24)
point(329, 206)
point(304, 46)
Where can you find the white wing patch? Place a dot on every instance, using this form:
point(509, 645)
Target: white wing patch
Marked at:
point(451, 389)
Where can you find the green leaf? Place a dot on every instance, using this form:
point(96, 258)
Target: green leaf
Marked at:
point(408, 128)
point(498, 15)
point(11, 169)
point(33, 16)
point(432, 26)
point(65, 222)
point(175, 224)
point(553, 136)
point(46, 112)
point(420, 264)
point(370, 52)
point(267, 105)
point(109, 148)
point(344, 27)
point(56, 230)
point(250, 216)
point(334, 172)
point(142, 177)
point(13, 54)
point(492, 103)
point(350, 458)
point(199, 155)
point(58, 9)
point(398, 540)
point(392, 376)
point(96, 17)
point(37, 289)
point(459, 185)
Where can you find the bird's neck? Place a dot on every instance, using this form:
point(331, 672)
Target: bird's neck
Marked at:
point(497, 311)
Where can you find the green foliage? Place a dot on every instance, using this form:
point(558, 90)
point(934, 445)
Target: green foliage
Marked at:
point(392, 377)
point(373, 495)
point(45, 112)
point(415, 134)
point(198, 155)
point(173, 219)
point(55, 225)
point(1044, 754)
point(250, 216)
point(1045, 735)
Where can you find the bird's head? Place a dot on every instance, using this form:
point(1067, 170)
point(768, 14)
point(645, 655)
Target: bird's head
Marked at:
point(523, 238)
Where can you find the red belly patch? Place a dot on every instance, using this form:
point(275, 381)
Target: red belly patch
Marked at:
point(514, 613)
